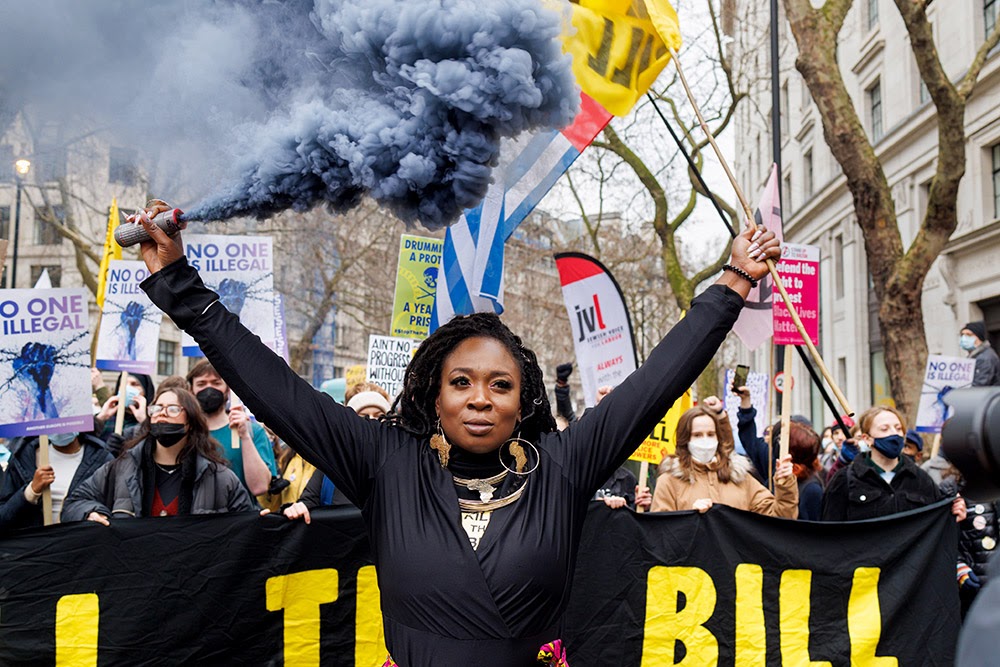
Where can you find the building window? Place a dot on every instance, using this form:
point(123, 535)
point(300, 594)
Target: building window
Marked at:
point(838, 266)
point(122, 168)
point(786, 198)
point(925, 94)
point(46, 232)
point(996, 180)
point(807, 173)
point(871, 14)
point(166, 357)
point(874, 95)
point(55, 274)
point(6, 162)
point(990, 10)
point(5, 221)
point(52, 164)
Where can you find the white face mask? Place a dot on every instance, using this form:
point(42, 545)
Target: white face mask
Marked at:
point(703, 449)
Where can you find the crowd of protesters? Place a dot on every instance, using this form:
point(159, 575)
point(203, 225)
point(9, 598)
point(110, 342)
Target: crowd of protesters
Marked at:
point(184, 448)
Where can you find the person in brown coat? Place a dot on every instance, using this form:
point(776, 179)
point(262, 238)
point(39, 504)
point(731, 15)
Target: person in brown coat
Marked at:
point(704, 471)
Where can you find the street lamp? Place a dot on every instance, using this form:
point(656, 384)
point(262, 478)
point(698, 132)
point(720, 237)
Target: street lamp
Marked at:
point(21, 168)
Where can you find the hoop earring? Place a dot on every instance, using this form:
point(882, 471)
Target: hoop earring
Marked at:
point(516, 447)
point(441, 445)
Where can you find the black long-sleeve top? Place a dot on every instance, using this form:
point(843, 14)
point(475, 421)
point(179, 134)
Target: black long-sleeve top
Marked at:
point(444, 603)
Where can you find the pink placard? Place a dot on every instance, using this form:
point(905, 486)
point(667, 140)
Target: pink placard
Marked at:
point(799, 270)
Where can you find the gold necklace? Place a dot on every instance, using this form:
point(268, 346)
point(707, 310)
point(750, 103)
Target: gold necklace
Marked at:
point(484, 487)
point(490, 505)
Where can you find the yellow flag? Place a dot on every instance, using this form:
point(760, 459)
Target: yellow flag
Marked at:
point(620, 47)
point(111, 251)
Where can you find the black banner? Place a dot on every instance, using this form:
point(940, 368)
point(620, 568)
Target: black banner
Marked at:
point(726, 587)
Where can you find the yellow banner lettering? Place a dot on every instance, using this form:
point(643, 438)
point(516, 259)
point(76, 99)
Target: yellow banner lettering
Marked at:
point(300, 595)
point(864, 620)
point(793, 601)
point(77, 623)
point(751, 635)
point(669, 620)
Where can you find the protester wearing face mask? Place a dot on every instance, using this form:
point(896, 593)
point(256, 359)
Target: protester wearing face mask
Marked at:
point(704, 470)
point(881, 481)
point(138, 389)
point(73, 457)
point(174, 467)
point(253, 461)
point(973, 339)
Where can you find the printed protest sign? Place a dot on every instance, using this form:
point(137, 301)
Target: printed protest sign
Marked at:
point(760, 389)
point(387, 360)
point(241, 270)
point(44, 362)
point(661, 441)
point(799, 270)
point(942, 375)
point(416, 285)
point(130, 323)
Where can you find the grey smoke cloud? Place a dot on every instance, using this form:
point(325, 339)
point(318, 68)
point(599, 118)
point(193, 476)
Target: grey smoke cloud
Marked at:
point(292, 104)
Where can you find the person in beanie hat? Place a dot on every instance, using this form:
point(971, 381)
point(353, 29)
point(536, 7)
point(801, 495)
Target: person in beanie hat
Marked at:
point(973, 340)
point(914, 446)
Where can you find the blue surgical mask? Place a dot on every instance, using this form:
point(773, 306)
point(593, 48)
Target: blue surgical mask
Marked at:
point(891, 446)
point(62, 439)
point(131, 393)
point(967, 343)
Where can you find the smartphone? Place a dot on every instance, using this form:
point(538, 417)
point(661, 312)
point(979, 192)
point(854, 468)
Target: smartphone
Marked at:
point(740, 377)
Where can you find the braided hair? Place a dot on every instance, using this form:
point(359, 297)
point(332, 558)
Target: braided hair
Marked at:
point(414, 410)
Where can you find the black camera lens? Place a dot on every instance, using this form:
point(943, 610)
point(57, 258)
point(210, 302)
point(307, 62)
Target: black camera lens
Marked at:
point(971, 439)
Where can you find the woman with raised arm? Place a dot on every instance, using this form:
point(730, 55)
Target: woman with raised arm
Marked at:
point(474, 503)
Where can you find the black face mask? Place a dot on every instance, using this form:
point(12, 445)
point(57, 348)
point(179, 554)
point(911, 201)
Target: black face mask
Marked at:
point(210, 400)
point(167, 434)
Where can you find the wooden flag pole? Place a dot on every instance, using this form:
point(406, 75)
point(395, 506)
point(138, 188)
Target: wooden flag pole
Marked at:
point(234, 433)
point(643, 476)
point(42, 461)
point(786, 404)
point(772, 269)
point(122, 393)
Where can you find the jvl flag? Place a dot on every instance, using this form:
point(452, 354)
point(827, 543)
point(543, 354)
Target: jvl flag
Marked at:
point(620, 47)
point(111, 251)
point(755, 324)
point(602, 329)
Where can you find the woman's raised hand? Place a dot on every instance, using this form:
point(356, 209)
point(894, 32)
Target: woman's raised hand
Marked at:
point(752, 248)
point(161, 249)
point(784, 468)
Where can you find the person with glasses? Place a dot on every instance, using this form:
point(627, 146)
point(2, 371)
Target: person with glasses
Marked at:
point(173, 467)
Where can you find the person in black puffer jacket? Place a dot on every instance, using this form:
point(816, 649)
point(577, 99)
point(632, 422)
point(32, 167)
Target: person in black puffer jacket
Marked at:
point(978, 539)
point(172, 468)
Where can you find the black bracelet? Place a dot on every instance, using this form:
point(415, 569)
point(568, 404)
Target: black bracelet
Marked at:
point(741, 273)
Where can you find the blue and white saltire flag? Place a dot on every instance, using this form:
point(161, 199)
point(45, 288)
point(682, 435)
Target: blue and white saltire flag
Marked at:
point(471, 277)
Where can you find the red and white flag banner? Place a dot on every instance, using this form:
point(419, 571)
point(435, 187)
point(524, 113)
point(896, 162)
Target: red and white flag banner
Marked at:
point(602, 329)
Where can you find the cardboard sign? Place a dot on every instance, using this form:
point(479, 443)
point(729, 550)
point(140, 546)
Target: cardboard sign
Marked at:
point(799, 270)
point(241, 270)
point(388, 358)
point(130, 323)
point(416, 285)
point(661, 441)
point(942, 375)
point(44, 362)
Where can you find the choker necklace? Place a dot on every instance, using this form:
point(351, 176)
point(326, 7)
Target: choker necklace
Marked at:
point(484, 487)
point(170, 470)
